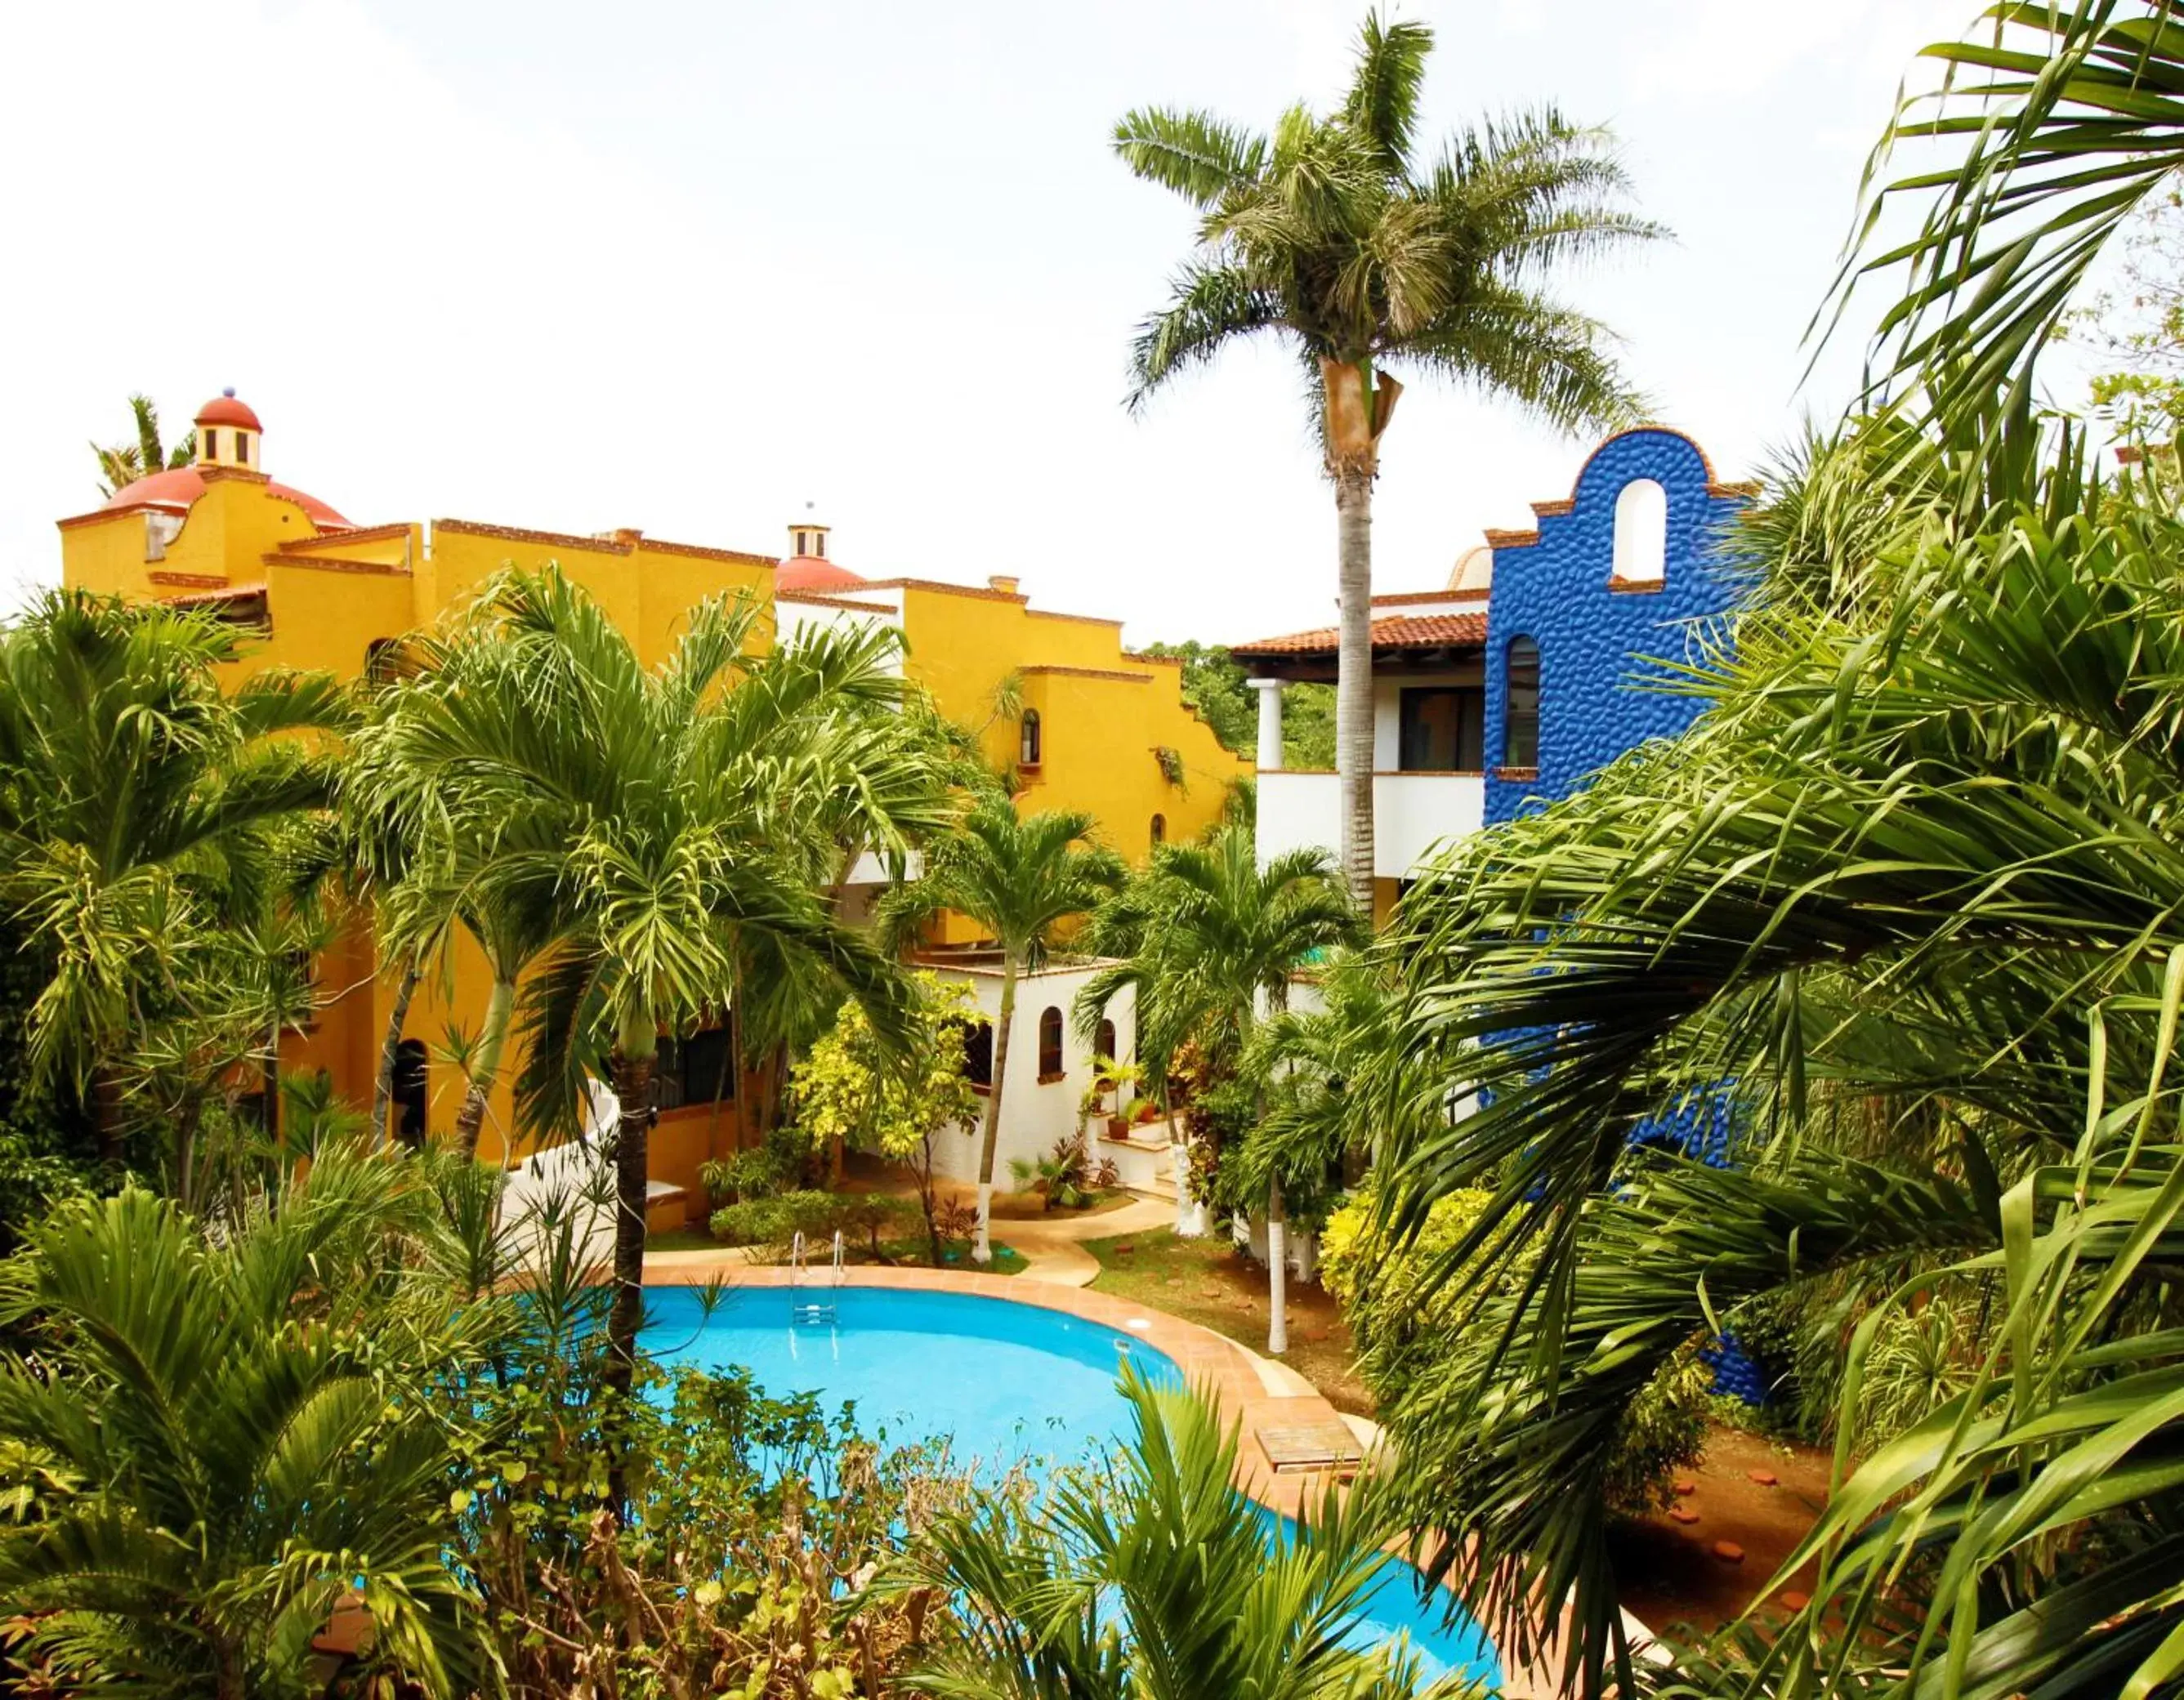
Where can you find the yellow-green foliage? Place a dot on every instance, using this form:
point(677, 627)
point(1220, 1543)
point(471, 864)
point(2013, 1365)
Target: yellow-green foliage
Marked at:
point(1404, 1324)
point(847, 1087)
point(1382, 1294)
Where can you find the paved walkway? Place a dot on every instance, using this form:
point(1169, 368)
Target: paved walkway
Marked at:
point(1050, 1245)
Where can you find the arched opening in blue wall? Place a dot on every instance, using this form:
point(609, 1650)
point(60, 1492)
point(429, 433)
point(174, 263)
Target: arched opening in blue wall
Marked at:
point(1642, 533)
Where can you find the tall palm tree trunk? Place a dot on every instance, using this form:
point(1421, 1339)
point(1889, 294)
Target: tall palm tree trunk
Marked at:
point(982, 1251)
point(105, 1095)
point(1353, 679)
point(1278, 1271)
point(390, 1046)
point(492, 1039)
point(632, 1080)
point(1359, 403)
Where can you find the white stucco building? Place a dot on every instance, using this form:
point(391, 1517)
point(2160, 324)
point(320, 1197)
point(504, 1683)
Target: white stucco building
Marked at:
point(1049, 1069)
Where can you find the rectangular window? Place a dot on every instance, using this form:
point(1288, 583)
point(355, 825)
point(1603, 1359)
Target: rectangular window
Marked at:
point(1521, 733)
point(1441, 729)
point(694, 1071)
point(242, 449)
point(211, 445)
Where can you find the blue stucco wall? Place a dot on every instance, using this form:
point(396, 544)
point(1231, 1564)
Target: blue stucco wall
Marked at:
point(1595, 641)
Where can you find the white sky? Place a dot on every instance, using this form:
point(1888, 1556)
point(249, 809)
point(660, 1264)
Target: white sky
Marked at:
point(688, 267)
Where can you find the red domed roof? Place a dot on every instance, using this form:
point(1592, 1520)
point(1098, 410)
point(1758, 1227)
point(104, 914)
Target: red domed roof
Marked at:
point(179, 487)
point(224, 409)
point(814, 573)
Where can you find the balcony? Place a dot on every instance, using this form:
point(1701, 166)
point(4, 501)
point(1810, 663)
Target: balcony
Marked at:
point(1411, 812)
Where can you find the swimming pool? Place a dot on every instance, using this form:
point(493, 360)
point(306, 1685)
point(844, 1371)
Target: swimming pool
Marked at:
point(1002, 1382)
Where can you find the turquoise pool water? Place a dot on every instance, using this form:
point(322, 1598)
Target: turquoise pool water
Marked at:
point(1001, 1382)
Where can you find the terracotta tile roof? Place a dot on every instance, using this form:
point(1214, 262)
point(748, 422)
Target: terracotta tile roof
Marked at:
point(1403, 632)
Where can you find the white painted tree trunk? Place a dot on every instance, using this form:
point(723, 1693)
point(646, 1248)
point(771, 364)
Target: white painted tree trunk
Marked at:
point(1304, 1253)
point(1278, 1273)
point(981, 1249)
point(1189, 1211)
point(1353, 683)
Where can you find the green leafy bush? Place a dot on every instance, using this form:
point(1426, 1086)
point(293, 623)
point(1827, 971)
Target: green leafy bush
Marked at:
point(864, 1217)
point(757, 1174)
point(1404, 1325)
point(776, 1221)
point(1663, 1431)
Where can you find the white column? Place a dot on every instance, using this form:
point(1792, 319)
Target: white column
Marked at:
point(1270, 724)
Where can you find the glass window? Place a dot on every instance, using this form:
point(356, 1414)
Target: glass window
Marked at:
point(1027, 743)
point(211, 445)
point(242, 448)
point(383, 660)
point(413, 1096)
point(1160, 829)
point(1520, 734)
point(1049, 1044)
point(1642, 532)
point(1441, 729)
point(1103, 1039)
point(694, 1071)
point(978, 1055)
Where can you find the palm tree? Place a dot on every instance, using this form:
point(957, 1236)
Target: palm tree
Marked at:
point(137, 800)
point(2054, 125)
point(126, 462)
point(666, 822)
point(406, 777)
point(1334, 236)
point(1160, 1581)
point(1209, 941)
point(236, 1437)
point(1022, 878)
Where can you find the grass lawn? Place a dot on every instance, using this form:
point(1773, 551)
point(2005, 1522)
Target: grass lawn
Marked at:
point(1211, 1283)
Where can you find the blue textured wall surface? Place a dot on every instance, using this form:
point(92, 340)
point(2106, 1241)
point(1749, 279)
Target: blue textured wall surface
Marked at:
point(1593, 641)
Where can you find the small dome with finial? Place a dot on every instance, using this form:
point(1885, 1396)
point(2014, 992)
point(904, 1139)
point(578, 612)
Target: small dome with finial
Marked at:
point(228, 432)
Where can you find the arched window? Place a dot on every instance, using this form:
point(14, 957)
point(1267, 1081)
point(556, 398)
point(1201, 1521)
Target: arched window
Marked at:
point(1642, 533)
point(383, 660)
point(1520, 719)
point(1028, 743)
point(1160, 829)
point(978, 1055)
point(1103, 1039)
point(1049, 1044)
point(412, 1098)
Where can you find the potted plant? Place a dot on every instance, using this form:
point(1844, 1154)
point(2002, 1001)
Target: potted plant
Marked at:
point(1109, 1076)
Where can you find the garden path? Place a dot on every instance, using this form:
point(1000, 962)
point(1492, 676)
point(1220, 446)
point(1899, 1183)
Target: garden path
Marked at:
point(1049, 1244)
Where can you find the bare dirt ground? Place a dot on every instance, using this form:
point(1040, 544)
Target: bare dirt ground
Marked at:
point(1668, 1570)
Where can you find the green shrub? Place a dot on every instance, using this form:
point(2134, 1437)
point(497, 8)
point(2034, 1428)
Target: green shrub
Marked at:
point(1663, 1431)
point(777, 1221)
point(759, 1173)
point(1394, 1319)
point(864, 1218)
point(1403, 1324)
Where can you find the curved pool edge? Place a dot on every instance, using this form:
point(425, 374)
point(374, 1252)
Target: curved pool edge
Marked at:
point(1249, 1398)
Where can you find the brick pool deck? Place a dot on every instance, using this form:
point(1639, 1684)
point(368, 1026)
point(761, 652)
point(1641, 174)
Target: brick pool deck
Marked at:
point(1253, 1392)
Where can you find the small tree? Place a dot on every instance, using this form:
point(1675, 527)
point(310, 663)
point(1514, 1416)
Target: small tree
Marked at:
point(849, 1088)
point(1022, 880)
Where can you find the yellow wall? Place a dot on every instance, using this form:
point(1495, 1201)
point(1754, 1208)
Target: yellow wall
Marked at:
point(328, 596)
point(1103, 712)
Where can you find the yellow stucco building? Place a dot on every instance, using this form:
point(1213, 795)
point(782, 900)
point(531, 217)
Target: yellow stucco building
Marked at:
point(1099, 729)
